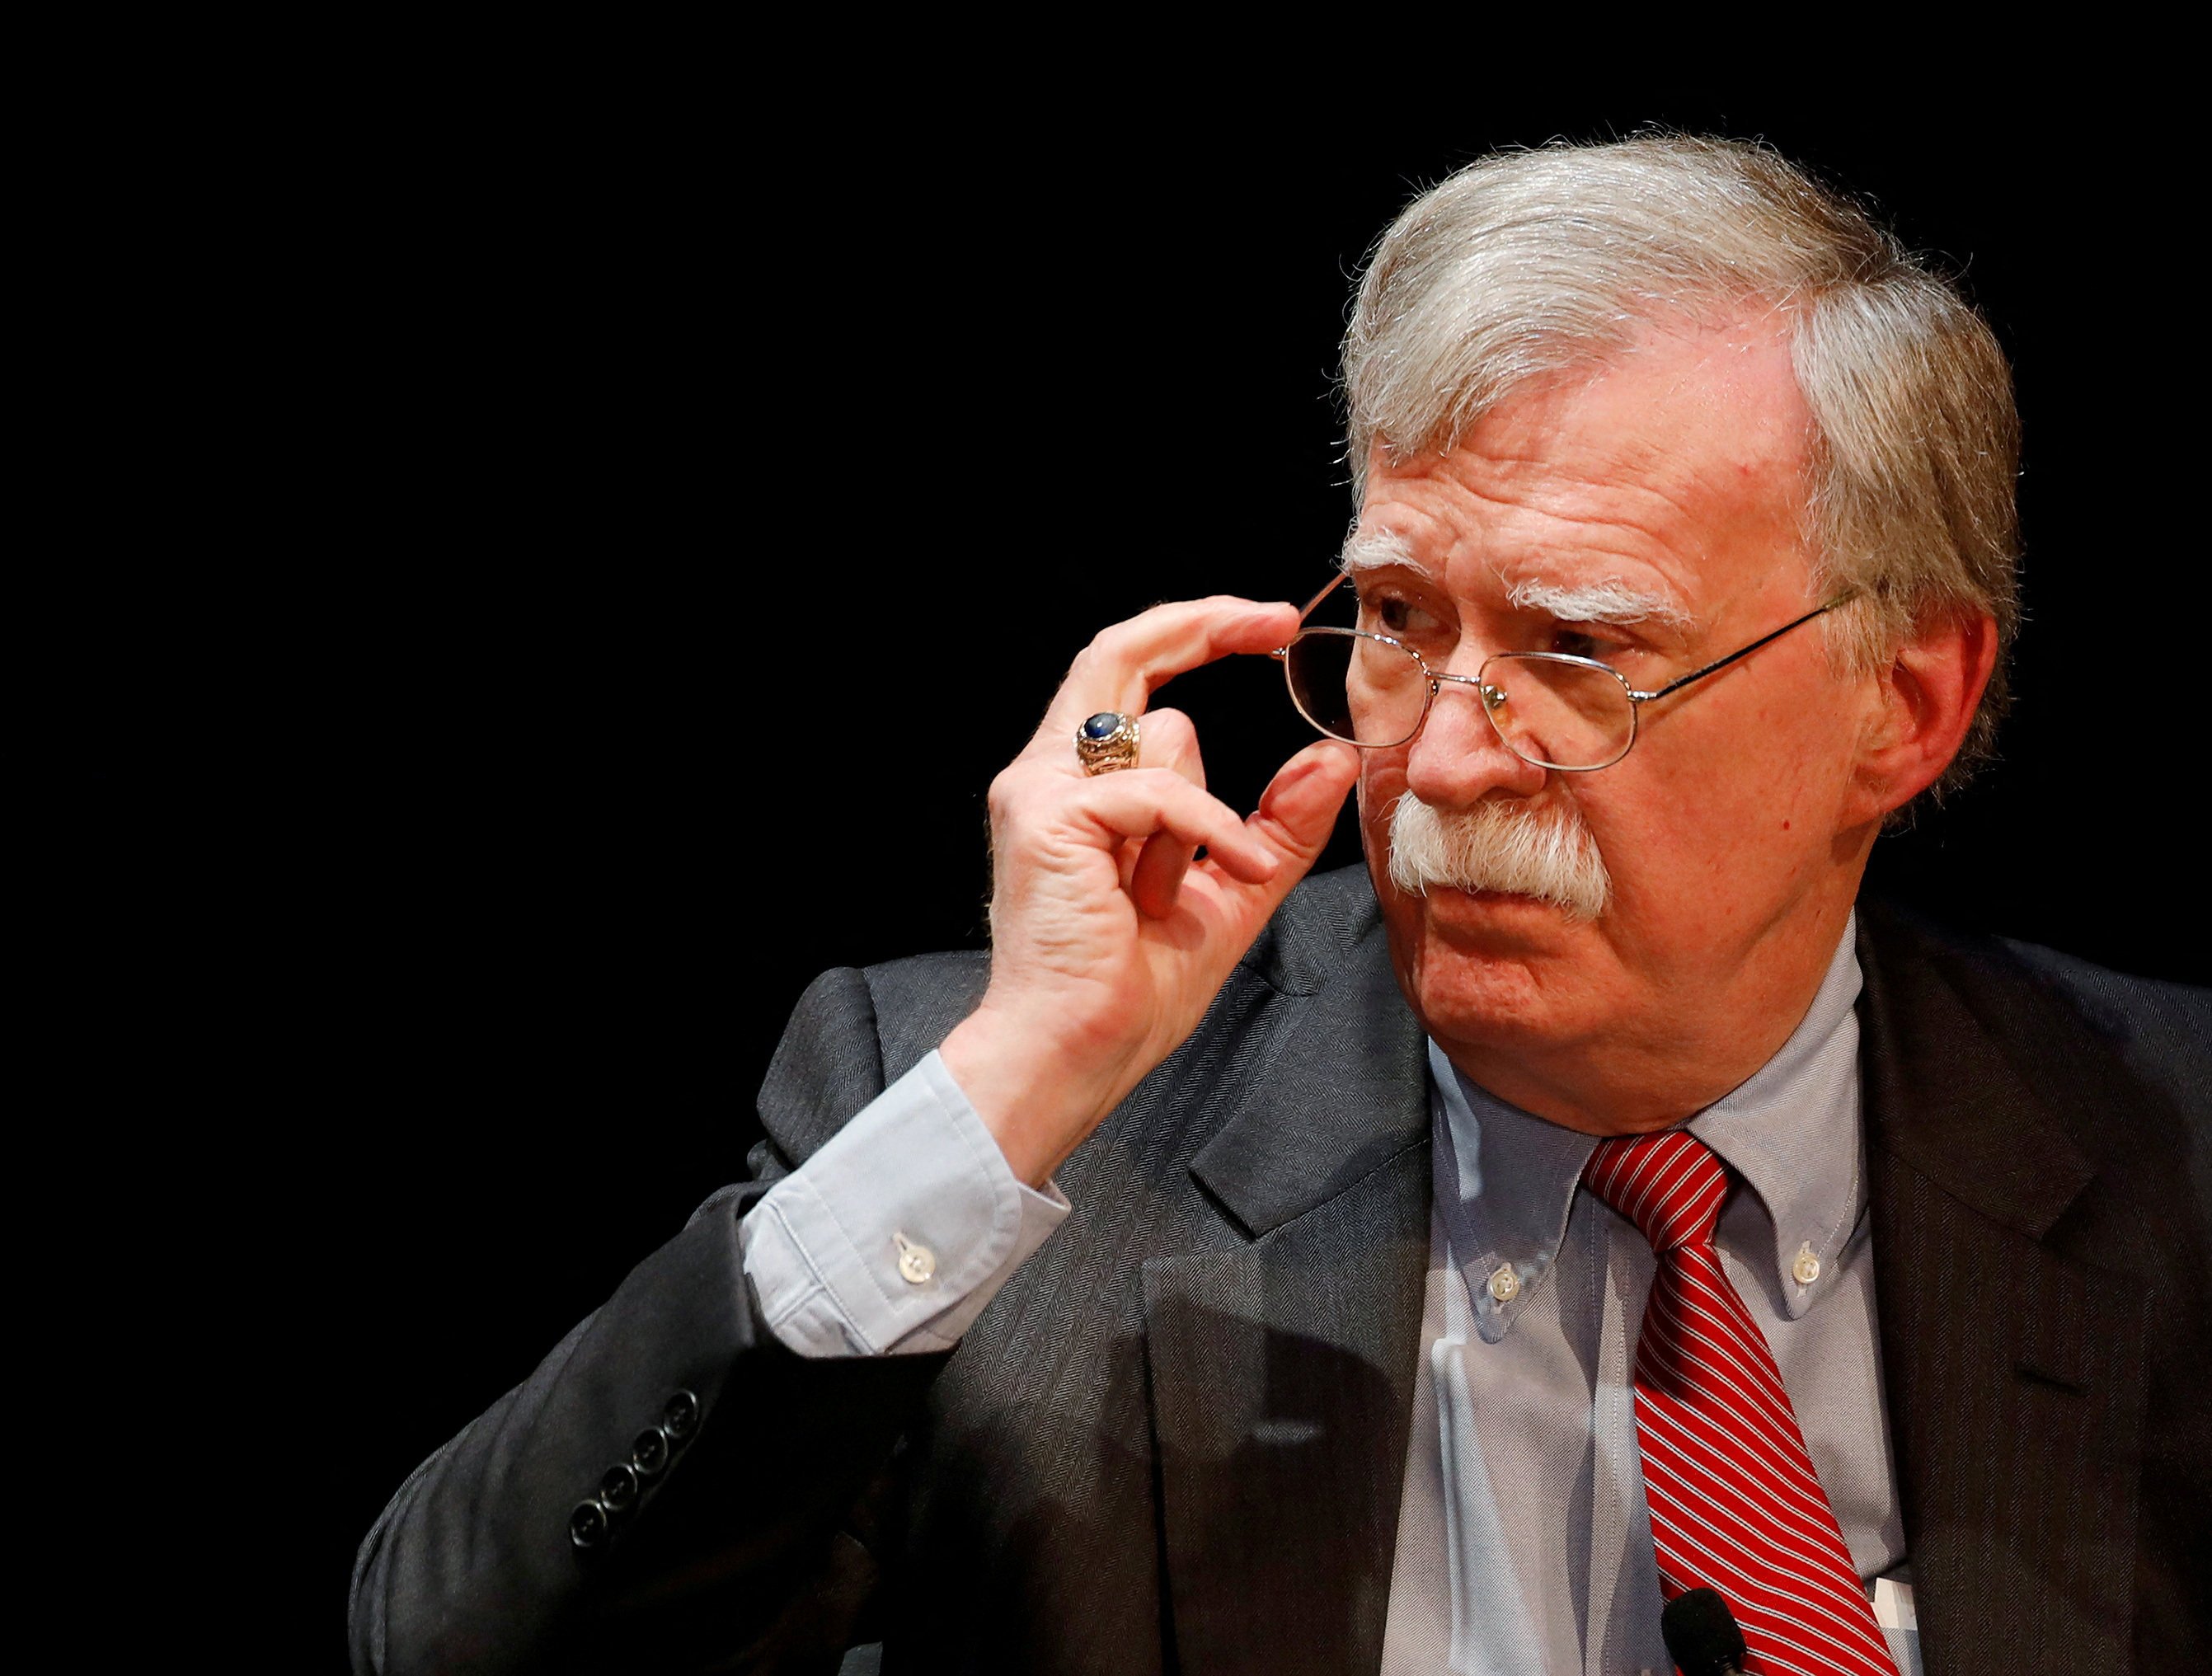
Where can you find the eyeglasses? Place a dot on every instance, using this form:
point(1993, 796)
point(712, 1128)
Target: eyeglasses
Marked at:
point(1551, 708)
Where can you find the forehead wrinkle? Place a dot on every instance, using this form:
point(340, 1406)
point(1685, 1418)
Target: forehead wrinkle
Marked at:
point(1604, 501)
point(1590, 521)
point(1637, 476)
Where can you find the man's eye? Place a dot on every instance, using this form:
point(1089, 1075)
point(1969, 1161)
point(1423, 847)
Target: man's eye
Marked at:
point(1580, 643)
point(1388, 614)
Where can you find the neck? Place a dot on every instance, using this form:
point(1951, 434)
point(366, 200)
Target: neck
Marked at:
point(1633, 1075)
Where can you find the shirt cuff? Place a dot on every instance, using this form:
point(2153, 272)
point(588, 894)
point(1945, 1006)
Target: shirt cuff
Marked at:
point(895, 1234)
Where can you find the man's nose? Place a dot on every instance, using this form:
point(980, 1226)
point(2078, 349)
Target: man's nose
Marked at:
point(1458, 759)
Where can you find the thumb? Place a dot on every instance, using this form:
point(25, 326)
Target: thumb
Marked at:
point(1297, 811)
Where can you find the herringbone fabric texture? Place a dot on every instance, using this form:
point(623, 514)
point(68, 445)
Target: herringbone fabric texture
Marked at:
point(1735, 1504)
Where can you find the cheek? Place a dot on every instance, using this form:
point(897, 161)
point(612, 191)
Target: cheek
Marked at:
point(1768, 751)
point(1697, 835)
point(1382, 778)
point(1381, 782)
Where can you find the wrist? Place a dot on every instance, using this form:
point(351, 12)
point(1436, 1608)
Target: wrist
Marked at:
point(1037, 1098)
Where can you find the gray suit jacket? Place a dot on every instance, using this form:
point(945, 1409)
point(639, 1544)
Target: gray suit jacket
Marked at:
point(1175, 1440)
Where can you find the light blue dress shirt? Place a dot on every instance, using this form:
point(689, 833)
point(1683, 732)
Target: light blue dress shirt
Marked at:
point(893, 1237)
point(1523, 1543)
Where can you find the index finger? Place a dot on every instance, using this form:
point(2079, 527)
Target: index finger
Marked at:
point(1126, 664)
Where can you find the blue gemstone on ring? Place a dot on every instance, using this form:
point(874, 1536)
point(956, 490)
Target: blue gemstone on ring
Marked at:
point(1102, 725)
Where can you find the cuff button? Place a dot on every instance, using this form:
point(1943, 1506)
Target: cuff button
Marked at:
point(916, 1262)
point(588, 1525)
point(618, 1489)
point(649, 1453)
point(679, 1417)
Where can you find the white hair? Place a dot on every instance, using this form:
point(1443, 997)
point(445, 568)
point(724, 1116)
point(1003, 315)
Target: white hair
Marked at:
point(1531, 263)
point(1543, 850)
point(1606, 600)
point(1373, 549)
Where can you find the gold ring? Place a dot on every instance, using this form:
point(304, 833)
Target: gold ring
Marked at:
point(1106, 742)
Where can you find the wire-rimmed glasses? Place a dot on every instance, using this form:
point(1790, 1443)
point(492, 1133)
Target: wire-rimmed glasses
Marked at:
point(1552, 709)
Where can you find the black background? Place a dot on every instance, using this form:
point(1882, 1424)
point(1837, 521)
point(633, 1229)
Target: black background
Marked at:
point(650, 525)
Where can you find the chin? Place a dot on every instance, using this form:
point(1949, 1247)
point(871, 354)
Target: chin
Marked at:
point(1488, 966)
point(1479, 989)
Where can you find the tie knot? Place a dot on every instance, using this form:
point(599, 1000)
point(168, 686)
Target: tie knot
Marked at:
point(1669, 1185)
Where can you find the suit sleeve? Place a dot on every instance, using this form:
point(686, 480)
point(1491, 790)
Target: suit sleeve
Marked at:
point(749, 1487)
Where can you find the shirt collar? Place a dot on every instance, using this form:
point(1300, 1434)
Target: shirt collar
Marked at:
point(1505, 1180)
point(1792, 1134)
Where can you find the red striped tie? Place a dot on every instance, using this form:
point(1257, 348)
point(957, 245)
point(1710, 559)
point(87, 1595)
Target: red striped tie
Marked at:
point(1735, 1504)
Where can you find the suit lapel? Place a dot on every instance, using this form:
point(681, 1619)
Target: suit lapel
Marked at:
point(1281, 1364)
point(2015, 1375)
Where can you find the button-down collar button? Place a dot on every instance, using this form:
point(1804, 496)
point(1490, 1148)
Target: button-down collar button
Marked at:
point(649, 1453)
point(618, 1489)
point(588, 1525)
point(1806, 1265)
point(1504, 1284)
point(679, 1416)
point(916, 1263)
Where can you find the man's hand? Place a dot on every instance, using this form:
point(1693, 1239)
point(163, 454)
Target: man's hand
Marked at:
point(1109, 940)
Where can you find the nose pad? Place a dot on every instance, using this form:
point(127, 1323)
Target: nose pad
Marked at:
point(1498, 706)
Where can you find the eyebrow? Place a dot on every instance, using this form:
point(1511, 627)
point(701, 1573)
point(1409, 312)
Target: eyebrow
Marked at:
point(1377, 549)
point(1608, 599)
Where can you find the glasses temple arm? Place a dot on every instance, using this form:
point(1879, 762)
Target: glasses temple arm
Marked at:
point(1313, 603)
point(1681, 682)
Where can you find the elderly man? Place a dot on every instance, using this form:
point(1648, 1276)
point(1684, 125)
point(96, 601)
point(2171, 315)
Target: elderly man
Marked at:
point(1593, 1205)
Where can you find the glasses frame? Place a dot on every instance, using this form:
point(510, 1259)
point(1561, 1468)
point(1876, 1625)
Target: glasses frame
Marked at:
point(1492, 696)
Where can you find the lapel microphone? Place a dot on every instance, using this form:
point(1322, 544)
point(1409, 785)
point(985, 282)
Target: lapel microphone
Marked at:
point(1701, 1634)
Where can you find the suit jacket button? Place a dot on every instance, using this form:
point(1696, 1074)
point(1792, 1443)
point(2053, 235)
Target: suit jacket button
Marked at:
point(618, 1489)
point(680, 1417)
point(588, 1525)
point(649, 1453)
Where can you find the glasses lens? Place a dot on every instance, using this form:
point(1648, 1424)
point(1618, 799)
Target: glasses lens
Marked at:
point(1558, 713)
point(1356, 687)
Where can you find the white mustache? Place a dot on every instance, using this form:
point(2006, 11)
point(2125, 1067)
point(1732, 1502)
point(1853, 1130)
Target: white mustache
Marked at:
point(1500, 844)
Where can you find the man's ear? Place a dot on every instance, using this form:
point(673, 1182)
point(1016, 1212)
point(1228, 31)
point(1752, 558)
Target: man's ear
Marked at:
point(1926, 697)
